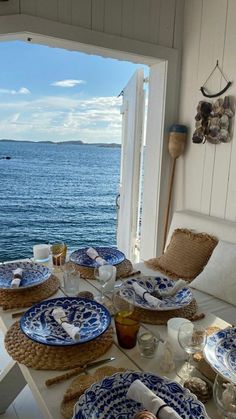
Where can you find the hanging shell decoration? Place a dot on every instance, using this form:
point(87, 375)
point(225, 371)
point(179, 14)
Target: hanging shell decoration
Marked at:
point(213, 122)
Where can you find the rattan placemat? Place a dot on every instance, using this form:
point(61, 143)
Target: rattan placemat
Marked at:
point(123, 269)
point(162, 317)
point(45, 357)
point(27, 297)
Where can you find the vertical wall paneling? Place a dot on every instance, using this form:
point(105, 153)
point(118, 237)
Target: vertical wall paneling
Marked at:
point(81, 13)
point(64, 11)
point(47, 9)
point(113, 17)
point(229, 68)
point(223, 151)
point(128, 18)
point(178, 24)
point(166, 27)
point(189, 168)
point(9, 8)
point(97, 23)
point(141, 20)
point(29, 7)
point(154, 20)
point(211, 49)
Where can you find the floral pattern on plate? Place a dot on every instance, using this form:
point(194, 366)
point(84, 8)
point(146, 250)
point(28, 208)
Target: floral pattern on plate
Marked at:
point(151, 284)
point(107, 398)
point(220, 353)
point(92, 318)
point(111, 255)
point(33, 274)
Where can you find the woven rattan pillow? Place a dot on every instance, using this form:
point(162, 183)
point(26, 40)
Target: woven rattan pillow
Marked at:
point(185, 256)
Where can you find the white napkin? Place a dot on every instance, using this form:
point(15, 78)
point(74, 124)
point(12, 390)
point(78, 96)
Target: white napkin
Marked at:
point(153, 301)
point(179, 285)
point(60, 316)
point(17, 277)
point(150, 401)
point(93, 254)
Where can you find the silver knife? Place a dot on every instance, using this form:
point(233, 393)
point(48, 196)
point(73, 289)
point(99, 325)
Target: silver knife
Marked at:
point(76, 371)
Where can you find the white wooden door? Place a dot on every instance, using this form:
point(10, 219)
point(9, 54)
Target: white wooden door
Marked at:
point(132, 128)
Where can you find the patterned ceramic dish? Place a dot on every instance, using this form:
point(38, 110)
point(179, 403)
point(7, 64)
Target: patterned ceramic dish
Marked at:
point(110, 254)
point(151, 284)
point(92, 318)
point(220, 352)
point(107, 398)
point(33, 274)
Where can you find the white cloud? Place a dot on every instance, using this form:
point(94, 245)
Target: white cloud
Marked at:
point(21, 91)
point(56, 118)
point(67, 83)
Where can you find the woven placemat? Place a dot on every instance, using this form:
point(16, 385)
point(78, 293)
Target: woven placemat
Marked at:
point(27, 297)
point(122, 270)
point(162, 317)
point(45, 357)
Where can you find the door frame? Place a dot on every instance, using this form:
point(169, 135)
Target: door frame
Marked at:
point(56, 34)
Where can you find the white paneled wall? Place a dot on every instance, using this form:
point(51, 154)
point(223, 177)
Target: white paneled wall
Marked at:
point(152, 21)
point(206, 174)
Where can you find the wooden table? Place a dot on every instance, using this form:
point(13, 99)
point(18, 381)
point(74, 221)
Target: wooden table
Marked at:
point(15, 376)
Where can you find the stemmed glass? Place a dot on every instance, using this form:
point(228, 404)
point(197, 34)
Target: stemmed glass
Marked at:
point(224, 394)
point(192, 338)
point(103, 274)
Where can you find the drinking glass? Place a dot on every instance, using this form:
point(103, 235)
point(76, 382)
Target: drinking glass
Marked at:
point(103, 274)
point(58, 252)
point(192, 338)
point(224, 394)
point(126, 327)
point(71, 279)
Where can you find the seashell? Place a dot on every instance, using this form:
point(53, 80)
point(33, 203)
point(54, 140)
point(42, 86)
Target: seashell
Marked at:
point(213, 140)
point(198, 117)
point(201, 388)
point(226, 106)
point(215, 121)
point(199, 106)
point(224, 135)
point(224, 121)
point(206, 109)
point(229, 113)
point(198, 136)
point(214, 131)
point(198, 124)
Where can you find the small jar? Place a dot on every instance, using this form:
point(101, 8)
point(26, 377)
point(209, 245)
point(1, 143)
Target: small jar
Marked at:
point(148, 344)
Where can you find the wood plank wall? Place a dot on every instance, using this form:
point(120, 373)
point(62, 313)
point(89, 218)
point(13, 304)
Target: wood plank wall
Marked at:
point(153, 21)
point(205, 176)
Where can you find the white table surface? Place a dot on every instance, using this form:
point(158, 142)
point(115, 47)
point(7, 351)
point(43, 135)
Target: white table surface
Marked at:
point(49, 398)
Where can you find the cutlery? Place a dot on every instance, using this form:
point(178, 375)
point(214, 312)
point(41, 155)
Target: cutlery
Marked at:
point(76, 371)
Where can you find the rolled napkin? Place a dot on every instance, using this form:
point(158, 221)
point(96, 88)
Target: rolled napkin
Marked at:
point(60, 317)
point(142, 292)
point(150, 401)
point(179, 285)
point(93, 254)
point(17, 277)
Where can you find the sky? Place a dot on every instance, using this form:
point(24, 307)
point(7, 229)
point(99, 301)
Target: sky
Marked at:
point(51, 94)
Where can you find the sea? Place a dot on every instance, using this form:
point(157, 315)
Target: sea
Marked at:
point(51, 192)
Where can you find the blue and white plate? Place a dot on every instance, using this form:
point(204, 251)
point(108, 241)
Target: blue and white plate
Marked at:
point(92, 318)
point(33, 274)
point(151, 284)
point(111, 255)
point(220, 353)
point(107, 398)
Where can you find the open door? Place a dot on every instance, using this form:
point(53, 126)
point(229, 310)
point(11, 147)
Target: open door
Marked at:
point(132, 133)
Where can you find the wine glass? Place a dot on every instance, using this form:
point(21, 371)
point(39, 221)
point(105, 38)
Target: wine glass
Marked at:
point(192, 338)
point(103, 274)
point(224, 394)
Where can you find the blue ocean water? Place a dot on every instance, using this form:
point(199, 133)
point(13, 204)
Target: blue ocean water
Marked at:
point(54, 192)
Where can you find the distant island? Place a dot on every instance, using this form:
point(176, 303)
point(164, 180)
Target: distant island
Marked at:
point(70, 142)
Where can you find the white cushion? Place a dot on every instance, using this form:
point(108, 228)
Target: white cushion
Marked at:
point(219, 275)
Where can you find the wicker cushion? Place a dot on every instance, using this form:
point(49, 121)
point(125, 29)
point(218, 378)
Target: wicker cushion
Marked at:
point(186, 254)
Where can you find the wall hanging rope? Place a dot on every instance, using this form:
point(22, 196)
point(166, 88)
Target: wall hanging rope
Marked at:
point(228, 83)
